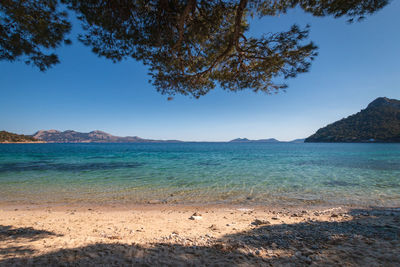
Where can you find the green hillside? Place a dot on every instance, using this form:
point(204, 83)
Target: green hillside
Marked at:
point(7, 137)
point(379, 122)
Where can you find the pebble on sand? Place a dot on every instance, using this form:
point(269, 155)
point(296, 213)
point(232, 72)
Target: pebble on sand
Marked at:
point(260, 222)
point(196, 216)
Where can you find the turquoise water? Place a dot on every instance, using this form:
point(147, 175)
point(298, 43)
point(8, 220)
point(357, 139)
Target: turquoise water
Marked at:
point(282, 173)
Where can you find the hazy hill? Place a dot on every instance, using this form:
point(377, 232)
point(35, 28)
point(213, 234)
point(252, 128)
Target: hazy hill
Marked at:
point(270, 140)
point(298, 141)
point(379, 122)
point(245, 140)
point(70, 136)
point(7, 137)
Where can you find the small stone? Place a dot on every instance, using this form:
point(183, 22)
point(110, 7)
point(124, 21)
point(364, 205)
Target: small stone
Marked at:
point(213, 227)
point(275, 218)
point(154, 201)
point(113, 237)
point(334, 215)
point(316, 213)
point(195, 216)
point(260, 222)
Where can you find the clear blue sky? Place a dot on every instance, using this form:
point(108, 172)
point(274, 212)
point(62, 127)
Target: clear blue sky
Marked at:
point(356, 64)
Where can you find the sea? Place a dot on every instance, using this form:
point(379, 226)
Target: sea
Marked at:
point(201, 173)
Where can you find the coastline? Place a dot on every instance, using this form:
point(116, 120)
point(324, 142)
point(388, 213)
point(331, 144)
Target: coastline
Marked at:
point(159, 205)
point(35, 142)
point(165, 234)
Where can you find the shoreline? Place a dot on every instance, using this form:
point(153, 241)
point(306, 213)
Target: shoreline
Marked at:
point(32, 142)
point(164, 234)
point(157, 205)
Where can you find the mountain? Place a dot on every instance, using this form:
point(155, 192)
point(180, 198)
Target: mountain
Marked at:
point(69, 136)
point(245, 140)
point(379, 122)
point(7, 137)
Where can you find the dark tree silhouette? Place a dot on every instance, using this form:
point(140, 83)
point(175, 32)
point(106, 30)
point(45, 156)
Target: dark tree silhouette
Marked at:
point(28, 29)
point(190, 46)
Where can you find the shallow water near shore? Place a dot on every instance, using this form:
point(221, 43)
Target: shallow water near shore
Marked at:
point(201, 173)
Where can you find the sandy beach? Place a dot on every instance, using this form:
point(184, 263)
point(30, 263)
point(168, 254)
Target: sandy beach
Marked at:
point(198, 235)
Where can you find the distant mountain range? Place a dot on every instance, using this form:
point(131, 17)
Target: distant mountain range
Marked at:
point(379, 122)
point(69, 136)
point(54, 136)
point(245, 140)
point(270, 140)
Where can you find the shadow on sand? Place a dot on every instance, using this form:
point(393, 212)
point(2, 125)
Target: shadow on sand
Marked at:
point(370, 238)
point(13, 235)
point(9, 233)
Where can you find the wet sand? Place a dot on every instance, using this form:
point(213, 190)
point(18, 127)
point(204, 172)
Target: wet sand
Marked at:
point(168, 235)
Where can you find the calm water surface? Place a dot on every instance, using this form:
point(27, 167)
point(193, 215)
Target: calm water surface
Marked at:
point(282, 173)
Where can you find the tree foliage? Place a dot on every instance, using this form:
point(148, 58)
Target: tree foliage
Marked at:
point(192, 46)
point(28, 29)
